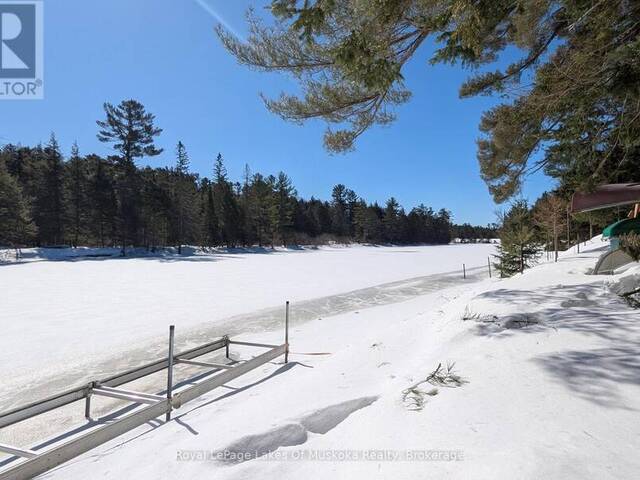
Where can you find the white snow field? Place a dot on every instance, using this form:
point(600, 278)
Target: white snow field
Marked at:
point(549, 381)
point(67, 321)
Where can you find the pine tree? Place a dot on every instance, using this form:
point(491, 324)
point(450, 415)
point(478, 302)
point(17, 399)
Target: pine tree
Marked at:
point(211, 226)
point(391, 221)
point(351, 200)
point(26, 165)
point(246, 200)
point(261, 208)
point(367, 223)
point(284, 195)
point(339, 218)
point(76, 194)
point(182, 159)
point(16, 225)
point(227, 206)
point(518, 247)
point(349, 59)
point(156, 206)
point(219, 170)
point(184, 198)
point(50, 200)
point(442, 226)
point(102, 197)
point(131, 130)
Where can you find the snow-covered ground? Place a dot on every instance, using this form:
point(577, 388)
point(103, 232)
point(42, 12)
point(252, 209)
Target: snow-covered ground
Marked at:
point(66, 322)
point(58, 315)
point(549, 383)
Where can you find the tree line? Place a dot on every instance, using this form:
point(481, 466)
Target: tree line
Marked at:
point(49, 200)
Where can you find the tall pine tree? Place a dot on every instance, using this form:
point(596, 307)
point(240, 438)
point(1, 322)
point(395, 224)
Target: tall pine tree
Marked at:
point(76, 195)
point(184, 198)
point(50, 200)
point(228, 211)
point(131, 130)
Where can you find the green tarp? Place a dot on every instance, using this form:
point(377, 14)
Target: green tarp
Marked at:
point(621, 227)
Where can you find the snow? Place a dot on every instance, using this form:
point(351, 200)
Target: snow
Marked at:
point(64, 322)
point(548, 359)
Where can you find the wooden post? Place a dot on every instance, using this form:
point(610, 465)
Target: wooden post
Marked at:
point(489, 265)
point(170, 369)
point(286, 332)
point(226, 347)
point(464, 271)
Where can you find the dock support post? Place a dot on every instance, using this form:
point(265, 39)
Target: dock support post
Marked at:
point(170, 370)
point(286, 332)
point(464, 271)
point(489, 265)
point(87, 404)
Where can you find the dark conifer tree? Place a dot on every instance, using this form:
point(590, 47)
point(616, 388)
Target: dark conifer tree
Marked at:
point(340, 220)
point(50, 200)
point(102, 196)
point(76, 195)
point(246, 200)
point(155, 207)
point(227, 206)
point(16, 225)
point(211, 225)
point(261, 208)
point(184, 198)
point(131, 130)
point(391, 221)
point(519, 246)
point(284, 196)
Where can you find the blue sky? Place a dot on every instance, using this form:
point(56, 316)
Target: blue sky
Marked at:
point(165, 54)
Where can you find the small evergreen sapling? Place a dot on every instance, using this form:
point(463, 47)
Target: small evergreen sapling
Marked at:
point(519, 247)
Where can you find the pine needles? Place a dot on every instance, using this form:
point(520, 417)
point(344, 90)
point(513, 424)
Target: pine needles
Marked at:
point(415, 398)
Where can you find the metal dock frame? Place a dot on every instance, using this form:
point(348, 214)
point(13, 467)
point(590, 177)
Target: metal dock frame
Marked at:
point(36, 462)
